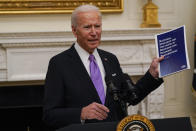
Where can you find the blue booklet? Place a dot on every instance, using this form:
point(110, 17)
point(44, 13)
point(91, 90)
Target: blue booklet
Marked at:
point(172, 45)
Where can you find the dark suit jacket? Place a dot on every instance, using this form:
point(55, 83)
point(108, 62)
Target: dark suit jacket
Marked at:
point(68, 88)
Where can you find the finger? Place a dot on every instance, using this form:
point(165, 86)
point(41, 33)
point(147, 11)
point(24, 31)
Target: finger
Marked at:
point(99, 115)
point(93, 114)
point(102, 107)
point(157, 71)
point(94, 111)
point(160, 58)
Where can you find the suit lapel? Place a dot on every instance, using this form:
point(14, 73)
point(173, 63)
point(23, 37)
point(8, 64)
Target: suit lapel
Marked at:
point(106, 63)
point(84, 77)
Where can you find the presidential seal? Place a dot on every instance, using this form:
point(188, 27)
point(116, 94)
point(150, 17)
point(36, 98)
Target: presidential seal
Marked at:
point(135, 123)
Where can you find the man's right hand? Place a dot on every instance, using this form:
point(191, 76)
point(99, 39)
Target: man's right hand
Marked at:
point(94, 111)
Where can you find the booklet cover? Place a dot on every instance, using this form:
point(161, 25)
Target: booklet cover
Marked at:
point(172, 45)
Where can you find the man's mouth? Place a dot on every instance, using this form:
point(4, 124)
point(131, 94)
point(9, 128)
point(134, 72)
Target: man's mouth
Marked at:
point(93, 40)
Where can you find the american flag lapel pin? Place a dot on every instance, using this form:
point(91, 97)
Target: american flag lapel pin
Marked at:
point(105, 59)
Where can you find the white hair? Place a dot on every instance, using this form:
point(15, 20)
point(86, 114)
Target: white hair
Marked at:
point(83, 8)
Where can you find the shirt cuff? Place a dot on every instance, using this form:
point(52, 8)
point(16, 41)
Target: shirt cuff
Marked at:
point(82, 121)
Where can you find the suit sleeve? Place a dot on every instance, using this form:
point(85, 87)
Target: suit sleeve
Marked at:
point(144, 86)
point(55, 112)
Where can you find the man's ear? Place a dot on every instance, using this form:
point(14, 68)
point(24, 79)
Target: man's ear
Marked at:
point(74, 30)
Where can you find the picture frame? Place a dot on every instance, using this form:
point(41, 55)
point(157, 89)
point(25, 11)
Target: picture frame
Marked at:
point(56, 6)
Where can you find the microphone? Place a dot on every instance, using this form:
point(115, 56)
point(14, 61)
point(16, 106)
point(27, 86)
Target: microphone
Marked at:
point(131, 89)
point(116, 93)
point(112, 88)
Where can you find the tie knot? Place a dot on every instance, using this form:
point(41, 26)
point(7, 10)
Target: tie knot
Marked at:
point(91, 57)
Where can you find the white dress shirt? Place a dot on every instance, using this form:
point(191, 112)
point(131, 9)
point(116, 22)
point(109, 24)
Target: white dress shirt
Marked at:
point(84, 55)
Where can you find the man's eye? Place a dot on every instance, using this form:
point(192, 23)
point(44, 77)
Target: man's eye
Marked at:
point(97, 26)
point(86, 27)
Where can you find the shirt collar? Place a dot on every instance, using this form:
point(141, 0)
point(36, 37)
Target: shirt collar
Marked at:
point(83, 53)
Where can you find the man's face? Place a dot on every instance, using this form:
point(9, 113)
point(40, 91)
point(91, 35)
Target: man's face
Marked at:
point(88, 30)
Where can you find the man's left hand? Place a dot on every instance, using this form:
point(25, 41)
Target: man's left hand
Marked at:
point(154, 66)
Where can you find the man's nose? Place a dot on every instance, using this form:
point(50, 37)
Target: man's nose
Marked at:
point(93, 31)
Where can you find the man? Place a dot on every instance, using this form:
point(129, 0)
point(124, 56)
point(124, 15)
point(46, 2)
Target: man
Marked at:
point(71, 89)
